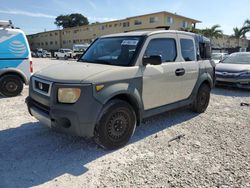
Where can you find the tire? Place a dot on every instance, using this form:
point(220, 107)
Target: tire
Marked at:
point(202, 99)
point(65, 57)
point(57, 57)
point(116, 125)
point(11, 85)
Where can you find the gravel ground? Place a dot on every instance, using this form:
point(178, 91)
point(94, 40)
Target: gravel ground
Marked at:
point(214, 151)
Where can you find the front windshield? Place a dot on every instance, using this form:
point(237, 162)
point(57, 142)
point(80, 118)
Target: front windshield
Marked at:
point(238, 59)
point(119, 51)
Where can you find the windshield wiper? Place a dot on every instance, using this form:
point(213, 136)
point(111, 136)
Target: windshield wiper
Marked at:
point(96, 61)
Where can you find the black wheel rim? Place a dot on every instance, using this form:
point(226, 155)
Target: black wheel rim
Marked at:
point(11, 86)
point(117, 125)
point(204, 97)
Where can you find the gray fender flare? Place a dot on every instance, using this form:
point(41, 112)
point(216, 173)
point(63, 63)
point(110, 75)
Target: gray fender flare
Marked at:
point(117, 89)
point(204, 77)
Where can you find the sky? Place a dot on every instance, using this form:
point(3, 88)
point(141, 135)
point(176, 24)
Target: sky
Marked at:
point(34, 16)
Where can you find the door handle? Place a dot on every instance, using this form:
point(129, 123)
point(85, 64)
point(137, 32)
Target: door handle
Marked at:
point(180, 72)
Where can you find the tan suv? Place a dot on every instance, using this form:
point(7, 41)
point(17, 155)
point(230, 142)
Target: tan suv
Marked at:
point(121, 79)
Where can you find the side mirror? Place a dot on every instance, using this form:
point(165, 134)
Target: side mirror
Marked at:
point(152, 60)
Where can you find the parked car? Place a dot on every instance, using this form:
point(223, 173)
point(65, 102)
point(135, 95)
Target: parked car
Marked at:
point(217, 57)
point(47, 54)
point(79, 49)
point(40, 53)
point(33, 54)
point(234, 70)
point(15, 60)
point(121, 79)
point(64, 53)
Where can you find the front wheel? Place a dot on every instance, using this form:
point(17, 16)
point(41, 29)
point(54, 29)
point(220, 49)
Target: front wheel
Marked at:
point(116, 125)
point(202, 99)
point(11, 85)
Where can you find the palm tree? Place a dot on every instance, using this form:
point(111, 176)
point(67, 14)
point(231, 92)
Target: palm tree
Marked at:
point(239, 33)
point(246, 26)
point(213, 32)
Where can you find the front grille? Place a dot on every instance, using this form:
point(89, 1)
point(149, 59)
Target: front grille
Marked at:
point(41, 86)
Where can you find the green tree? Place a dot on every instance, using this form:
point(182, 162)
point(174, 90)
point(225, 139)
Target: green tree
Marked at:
point(71, 20)
point(213, 32)
point(246, 26)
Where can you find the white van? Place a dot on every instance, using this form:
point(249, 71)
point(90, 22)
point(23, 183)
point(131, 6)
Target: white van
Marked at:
point(15, 60)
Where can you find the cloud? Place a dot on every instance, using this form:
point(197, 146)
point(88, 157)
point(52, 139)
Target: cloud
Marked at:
point(101, 19)
point(26, 13)
point(92, 4)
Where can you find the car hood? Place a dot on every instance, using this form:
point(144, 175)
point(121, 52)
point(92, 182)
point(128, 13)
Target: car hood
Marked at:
point(72, 72)
point(233, 68)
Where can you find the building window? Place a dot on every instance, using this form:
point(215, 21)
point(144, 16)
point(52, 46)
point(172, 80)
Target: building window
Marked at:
point(187, 49)
point(69, 41)
point(51, 34)
point(170, 20)
point(102, 27)
point(153, 19)
point(51, 43)
point(166, 48)
point(56, 33)
point(125, 24)
point(46, 43)
point(138, 22)
point(55, 42)
point(115, 25)
point(64, 42)
point(184, 24)
point(75, 31)
point(110, 25)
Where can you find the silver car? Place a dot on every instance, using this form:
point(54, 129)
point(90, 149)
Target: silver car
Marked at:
point(234, 70)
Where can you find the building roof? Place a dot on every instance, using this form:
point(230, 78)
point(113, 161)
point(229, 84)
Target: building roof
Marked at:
point(165, 12)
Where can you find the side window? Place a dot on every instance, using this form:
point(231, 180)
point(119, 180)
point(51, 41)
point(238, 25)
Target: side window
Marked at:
point(205, 50)
point(187, 49)
point(165, 47)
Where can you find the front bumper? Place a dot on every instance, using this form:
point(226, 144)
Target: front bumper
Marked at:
point(243, 83)
point(75, 119)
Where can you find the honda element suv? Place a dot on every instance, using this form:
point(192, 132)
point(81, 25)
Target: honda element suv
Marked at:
point(121, 79)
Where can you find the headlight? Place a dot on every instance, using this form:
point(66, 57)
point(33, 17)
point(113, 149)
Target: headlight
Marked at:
point(245, 74)
point(68, 95)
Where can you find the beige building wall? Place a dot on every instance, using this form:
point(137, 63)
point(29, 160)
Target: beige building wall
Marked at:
point(47, 40)
point(229, 42)
point(65, 38)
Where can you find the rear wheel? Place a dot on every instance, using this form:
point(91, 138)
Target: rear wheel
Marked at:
point(202, 99)
point(116, 126)
point(11, 85)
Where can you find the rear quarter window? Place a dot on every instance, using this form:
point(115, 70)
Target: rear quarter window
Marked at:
point(187, 49)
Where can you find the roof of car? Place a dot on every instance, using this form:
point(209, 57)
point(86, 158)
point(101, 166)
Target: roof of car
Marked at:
point(146, 33)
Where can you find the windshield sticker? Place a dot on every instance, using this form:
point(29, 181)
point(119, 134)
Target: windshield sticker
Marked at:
point(130, 42)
